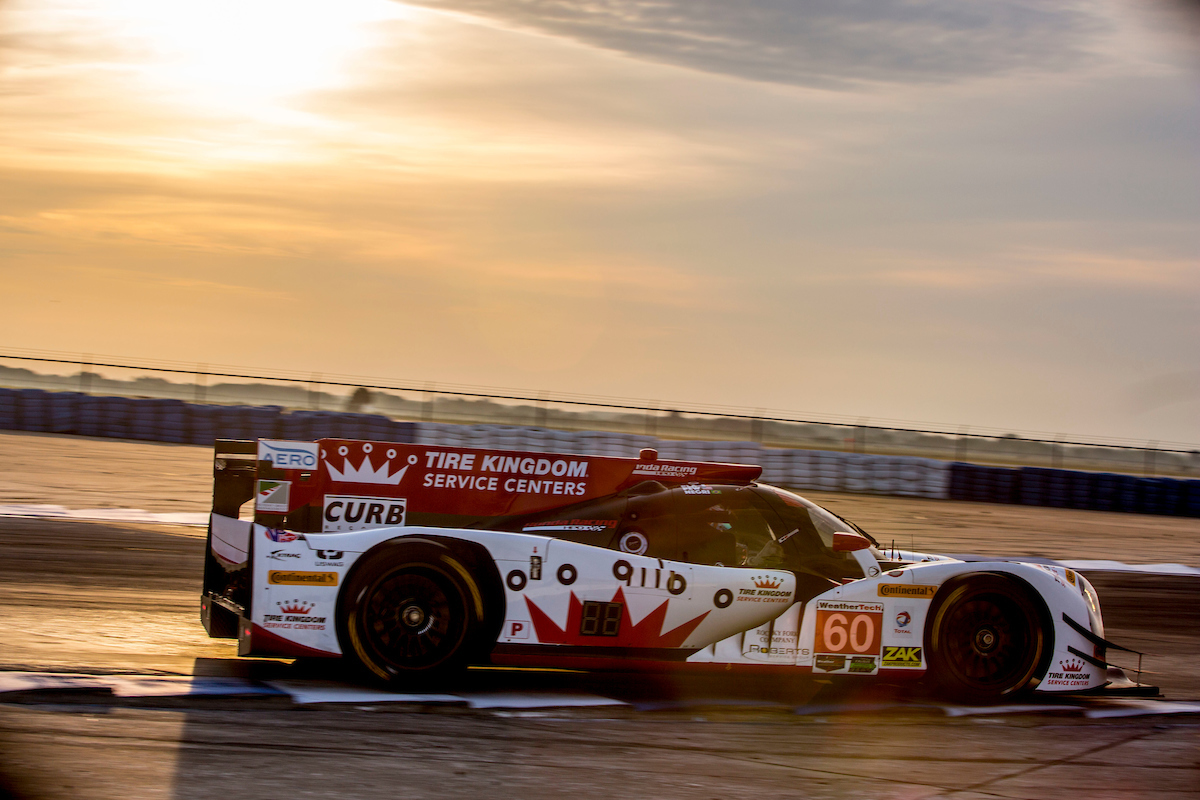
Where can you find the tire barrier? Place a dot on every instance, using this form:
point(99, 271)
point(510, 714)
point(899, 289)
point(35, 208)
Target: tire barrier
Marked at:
point(1061, 488)
point(175, 421)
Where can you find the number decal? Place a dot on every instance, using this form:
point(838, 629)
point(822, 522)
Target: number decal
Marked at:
point(848, 632)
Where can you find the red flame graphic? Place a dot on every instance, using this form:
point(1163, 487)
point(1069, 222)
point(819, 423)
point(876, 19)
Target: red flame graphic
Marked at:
point(646, 633)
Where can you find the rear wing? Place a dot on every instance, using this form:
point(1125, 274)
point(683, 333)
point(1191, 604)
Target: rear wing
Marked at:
point(334, 485)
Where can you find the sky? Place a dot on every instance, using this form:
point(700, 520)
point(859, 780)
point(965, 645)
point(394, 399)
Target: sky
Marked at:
point(949, 212)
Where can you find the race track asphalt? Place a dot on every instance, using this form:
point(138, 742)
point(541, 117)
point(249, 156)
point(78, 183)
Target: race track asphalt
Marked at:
point(108, 598)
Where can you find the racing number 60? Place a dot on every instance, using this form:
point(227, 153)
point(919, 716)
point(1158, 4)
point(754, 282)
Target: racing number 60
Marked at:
point(862, 632)
point(852, 632)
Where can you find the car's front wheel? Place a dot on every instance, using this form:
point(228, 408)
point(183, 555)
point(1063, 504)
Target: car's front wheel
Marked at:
point(986, 639)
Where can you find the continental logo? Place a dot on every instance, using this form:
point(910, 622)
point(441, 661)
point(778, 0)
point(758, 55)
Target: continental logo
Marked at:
point(902, 657)
point(282, 577)
point(906, 590)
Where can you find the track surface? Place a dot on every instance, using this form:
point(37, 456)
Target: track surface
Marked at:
point(78, 596)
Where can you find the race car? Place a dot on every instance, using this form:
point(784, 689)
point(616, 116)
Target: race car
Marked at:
point(416, 561)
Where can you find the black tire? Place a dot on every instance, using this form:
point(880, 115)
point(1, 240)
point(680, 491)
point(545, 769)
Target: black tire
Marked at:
point(986, 639)
point(411, 611)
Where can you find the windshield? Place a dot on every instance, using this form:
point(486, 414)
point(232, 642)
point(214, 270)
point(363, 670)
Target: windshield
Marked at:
point(807, 535)
point(795, 510)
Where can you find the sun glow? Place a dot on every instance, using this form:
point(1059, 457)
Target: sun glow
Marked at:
point(243, 53)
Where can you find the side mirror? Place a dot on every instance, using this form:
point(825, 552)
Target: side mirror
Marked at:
point(848, 542)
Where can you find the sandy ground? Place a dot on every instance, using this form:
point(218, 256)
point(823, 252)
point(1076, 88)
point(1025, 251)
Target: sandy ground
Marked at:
point(78, 473)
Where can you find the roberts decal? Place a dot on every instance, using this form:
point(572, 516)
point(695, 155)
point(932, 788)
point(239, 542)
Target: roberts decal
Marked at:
point(348, 513)
point(906, 590)
point(281, 577)
point(288, 455)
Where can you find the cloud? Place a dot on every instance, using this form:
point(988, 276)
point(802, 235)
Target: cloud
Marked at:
point(816, 43)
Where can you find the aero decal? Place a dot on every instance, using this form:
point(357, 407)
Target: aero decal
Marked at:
point(647, 633)
point(288, 455)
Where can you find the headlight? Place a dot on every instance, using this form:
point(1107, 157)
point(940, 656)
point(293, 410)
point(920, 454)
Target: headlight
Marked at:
point(1093, 605)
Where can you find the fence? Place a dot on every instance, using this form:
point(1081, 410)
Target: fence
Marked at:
point(467, 406)
point(167, 420)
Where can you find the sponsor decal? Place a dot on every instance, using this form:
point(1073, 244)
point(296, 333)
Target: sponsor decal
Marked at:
point(699, 488)
point(902, 619)
point(906, 657)
point(851, 629)
point(288, 455)
point(1071, 577)
point(535, 568)
point(385, 474)
point(282, 555)
point(301, 578)
point(903, 625)
point(1071, 674)
point(348, 513)
point(862, 664)
point(272, 495)
point(906, 590)
point(280, 535)
point(295, 615)
point(661, 470)
point(584, 525)
point(330, 558)
point(828, 663)
point(766, 590)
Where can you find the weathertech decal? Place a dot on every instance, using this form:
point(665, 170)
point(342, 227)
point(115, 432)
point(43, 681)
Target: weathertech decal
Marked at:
point(848, 633)
point(281, 577)
point(906, 590)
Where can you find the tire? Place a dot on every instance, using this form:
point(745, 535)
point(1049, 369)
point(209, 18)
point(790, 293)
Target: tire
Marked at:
point(412, 611)
point(986, 640)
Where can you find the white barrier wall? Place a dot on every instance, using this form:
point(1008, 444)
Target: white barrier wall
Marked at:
point(820, 470)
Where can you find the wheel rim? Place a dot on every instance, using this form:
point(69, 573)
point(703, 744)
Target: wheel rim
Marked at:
point(987, 643)
point(412, 619)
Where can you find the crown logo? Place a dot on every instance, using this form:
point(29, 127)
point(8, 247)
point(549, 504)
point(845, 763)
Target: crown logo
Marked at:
point(364, 472)
point(766, 583)
point(1072, 666)
point(295, 607)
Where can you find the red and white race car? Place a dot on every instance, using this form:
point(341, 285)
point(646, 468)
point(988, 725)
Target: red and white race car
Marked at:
point(416, 560)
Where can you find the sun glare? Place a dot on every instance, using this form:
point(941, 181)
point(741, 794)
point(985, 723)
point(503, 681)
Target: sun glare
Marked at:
point(239, 52)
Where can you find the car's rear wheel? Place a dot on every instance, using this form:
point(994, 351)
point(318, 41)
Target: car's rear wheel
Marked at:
point(986, 639)
point(411, 611)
